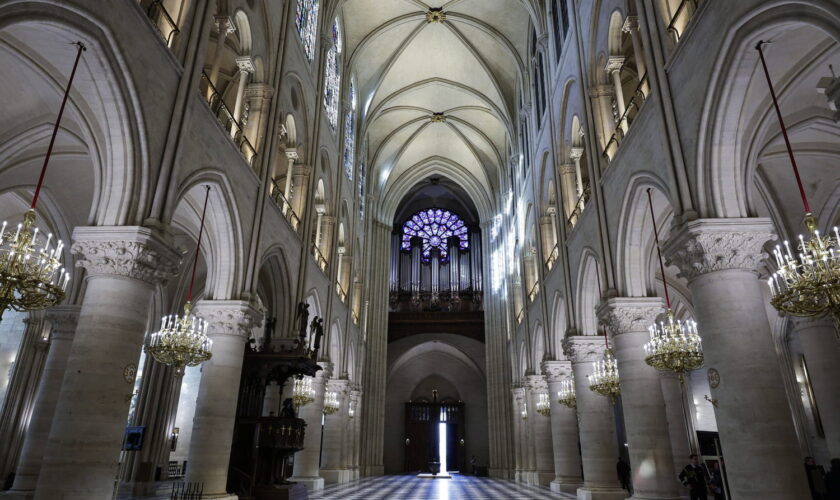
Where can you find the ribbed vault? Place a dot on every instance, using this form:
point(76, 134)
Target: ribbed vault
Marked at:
point(437, 92)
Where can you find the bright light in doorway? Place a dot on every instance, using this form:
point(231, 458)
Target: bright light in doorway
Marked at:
point(442, 446)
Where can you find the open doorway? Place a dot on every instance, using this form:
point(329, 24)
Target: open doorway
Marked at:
point(434, 432)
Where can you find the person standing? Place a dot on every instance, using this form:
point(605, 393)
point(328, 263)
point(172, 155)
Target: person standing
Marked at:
point(473, 466)
point(716, 483)
point(816, 478)
point(695, 476)
point(623, 470)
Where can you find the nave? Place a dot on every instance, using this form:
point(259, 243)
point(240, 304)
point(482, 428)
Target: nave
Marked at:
point(411, 487)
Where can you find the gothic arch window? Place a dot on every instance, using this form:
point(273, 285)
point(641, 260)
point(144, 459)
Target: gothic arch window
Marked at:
point(350, 133)
point(306, 22)
point(332, 85)
point(434, 226)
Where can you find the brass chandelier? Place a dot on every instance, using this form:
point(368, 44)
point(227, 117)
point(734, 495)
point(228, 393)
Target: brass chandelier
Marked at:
point(31, 275)
point(331, 403)
point(567, 396)
point(302, 392)
point(182, 340)
point(807, 282)
point(674, 345)
point(543, 405)
point(604, 378)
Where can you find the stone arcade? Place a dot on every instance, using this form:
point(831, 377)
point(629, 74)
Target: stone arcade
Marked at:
point(455, 194)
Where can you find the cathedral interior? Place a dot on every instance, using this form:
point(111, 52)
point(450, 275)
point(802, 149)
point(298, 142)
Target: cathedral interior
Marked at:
point(467, 249)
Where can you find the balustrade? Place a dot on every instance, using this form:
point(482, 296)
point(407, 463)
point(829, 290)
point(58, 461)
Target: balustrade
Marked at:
point(163, 22)
point(679, 21)
point(284, 205)
point(580, 204)
point(634, 105)
point(225, 116)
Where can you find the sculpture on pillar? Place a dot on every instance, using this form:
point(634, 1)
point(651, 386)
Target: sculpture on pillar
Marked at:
point(302, 319)
point(319, 332)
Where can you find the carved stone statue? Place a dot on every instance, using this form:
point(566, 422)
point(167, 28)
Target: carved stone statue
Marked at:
point(288, 410)
point(302, 320)
point(319, 332)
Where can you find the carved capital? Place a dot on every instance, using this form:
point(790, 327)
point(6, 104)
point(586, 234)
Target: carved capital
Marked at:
point(629, 314)
point(235, 318)
point(576, 154)
point(567, 169)
point(615, 63)
point(556, 371)
point(259, 91)
point(224, 25)
point(631, 25)
point(245, 64)
point(63, 320)
point(602, 91)
point(536, 383)
point(705, 246)
point(584, 348)
point(291, 154)
point(125, 251)
point(518, 395)
point(340, 386)
point(325, 373)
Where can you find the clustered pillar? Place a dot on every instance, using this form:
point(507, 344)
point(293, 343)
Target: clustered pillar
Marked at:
point(564, 431)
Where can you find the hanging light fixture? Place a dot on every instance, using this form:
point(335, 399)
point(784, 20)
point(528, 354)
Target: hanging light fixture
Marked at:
point(604, 377)
point(331, 403)
point(351, 409)
point(543, 405)
point(567, 396)
point(302, 392)
point(807, 282)
point(182, 340)
point(524, 411)
point(674, 345)
point(31, 275)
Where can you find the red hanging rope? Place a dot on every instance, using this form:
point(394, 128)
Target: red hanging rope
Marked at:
point(198, 245)
point(82, 48)
point(784, 128)
point(658, 250)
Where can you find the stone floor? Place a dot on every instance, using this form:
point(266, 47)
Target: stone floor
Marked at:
point(414, 488)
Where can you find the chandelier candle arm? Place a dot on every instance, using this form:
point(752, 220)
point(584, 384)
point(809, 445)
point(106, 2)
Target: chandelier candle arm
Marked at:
point(674, 345)
point(182, 340)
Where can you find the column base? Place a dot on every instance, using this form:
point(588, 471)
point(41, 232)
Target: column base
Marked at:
point(336, 476)
point(561, 486)
point(544, 478)
point(373, 470)
point(601, 494)
point(311, 483)
point(282, 492)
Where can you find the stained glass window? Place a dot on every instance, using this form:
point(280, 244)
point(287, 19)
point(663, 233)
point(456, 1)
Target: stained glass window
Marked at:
point(332, 85)
point(435, 226)
point(350, 133)
point(306, 22)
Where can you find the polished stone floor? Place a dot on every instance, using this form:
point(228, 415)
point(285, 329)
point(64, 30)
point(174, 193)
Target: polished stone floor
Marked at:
point(414, 488)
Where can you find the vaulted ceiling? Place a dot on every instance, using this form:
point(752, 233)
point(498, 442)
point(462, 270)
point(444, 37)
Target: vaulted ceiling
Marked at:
point(411, 63)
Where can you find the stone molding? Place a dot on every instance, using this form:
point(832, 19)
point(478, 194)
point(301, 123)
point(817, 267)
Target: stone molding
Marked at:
point(245, 64)
point(630, 25)
point(615, 63)
point(63, 321)
point(629, 314)
point(236, 318)
point(340, 386)
point(568, 169)
point(602, 91)
point(125, 251)
point(518, 395)
point(224, 25)
point(556, 371)
point(584, 348)
point(537, 384)
point(705, 246)
point(259, 91)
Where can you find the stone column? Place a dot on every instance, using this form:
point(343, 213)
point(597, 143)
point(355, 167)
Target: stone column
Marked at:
point(719, 258)
point(306, 467)
point(246, 67)
point(63, 320)
point(225, 27)
point(259, 96)
point(614, 65)
point(327, 230)
point(576, 154)
point(541, 428)
point(521, 466)
point(651, 459)
point(230, 323)
point(631, 26)
point(564, 431)
point(300, 181)
point(601, 96)
point(568, 185)
point(355, 430)
point(123, 266)
point(817, 338)
point(336, 427)
point(595, 422)
point(680, 427)
point(291, 157)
